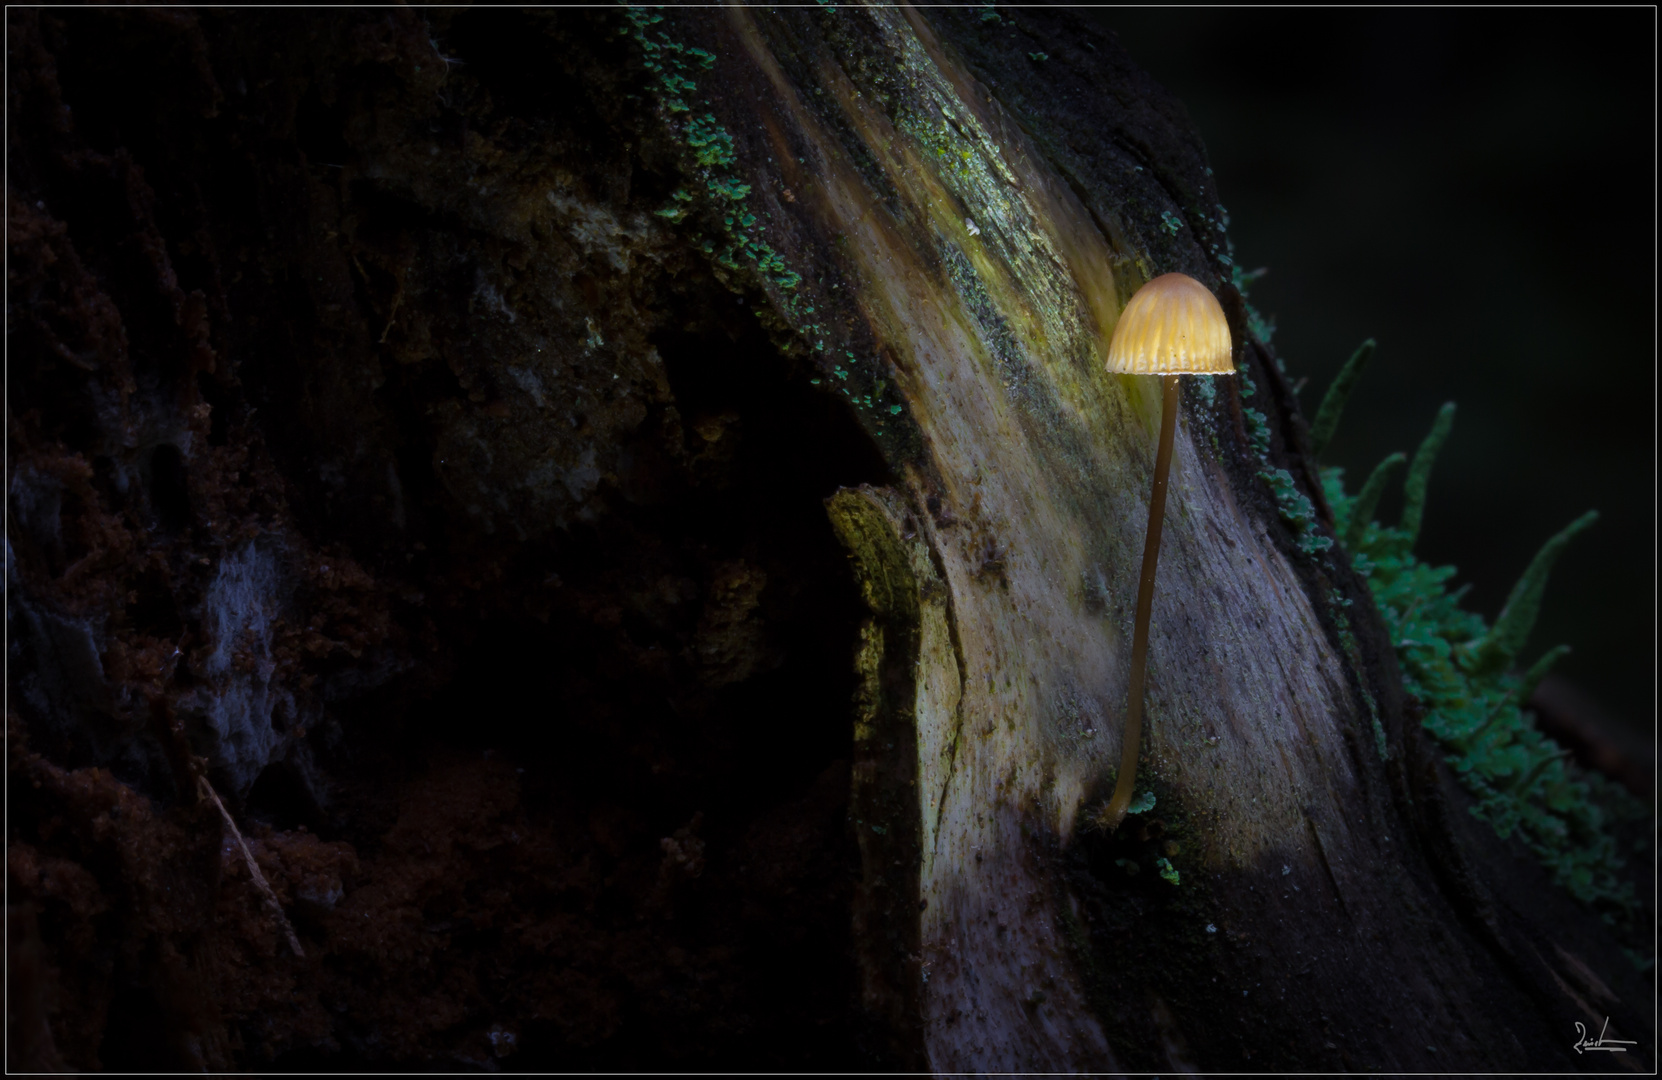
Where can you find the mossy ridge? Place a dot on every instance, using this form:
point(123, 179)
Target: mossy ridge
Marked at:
point(1296, 510)
point(733, 235)
point(1458, 669)
point(1293, 506)
point(710, 147)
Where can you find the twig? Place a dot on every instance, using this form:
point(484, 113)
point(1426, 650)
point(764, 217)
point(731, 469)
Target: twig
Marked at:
point(253, 867)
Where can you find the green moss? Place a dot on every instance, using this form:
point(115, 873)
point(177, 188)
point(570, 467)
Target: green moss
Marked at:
point(1462, 673)
point(1297, 510)
point(676, 209)
point(1257, 424)
point(1205, 388)
point(1257, 325)
point(1294, 507)
point(726, 187)
point(712, 158)
point(733, 237)
point(1258, 432)
point(711, 144)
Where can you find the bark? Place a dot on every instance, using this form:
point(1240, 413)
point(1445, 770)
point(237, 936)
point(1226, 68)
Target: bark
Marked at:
point(445, 430)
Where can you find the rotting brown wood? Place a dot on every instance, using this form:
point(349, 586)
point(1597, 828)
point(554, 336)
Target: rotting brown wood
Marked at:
point(427, 382)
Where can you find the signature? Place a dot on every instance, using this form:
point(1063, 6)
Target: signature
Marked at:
point(1617, 1046)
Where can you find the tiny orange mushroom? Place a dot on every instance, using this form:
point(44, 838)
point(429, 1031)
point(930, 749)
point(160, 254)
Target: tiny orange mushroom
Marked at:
point(1173, 326)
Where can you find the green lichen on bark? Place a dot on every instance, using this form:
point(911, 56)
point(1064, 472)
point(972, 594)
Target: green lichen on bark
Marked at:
point(734, 233)
point(1296, 510)
point(713, 161)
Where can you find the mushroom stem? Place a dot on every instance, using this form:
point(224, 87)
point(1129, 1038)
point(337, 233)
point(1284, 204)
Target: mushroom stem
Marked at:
point(1132, 735)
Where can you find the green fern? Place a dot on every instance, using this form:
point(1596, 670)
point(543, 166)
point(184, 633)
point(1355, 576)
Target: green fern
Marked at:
point(1462, 673)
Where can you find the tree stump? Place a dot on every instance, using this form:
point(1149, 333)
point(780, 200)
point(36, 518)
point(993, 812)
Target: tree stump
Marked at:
point(345, 340)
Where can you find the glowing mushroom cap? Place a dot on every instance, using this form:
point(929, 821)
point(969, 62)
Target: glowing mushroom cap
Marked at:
point(1173, 326)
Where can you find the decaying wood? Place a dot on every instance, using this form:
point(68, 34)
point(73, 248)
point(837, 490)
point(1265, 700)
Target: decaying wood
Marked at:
point(999, 574)
point(367, 333)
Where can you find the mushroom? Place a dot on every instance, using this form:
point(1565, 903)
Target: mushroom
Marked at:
point(1173, 326)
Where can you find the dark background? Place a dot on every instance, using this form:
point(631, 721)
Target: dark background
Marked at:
point(1475, 190)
